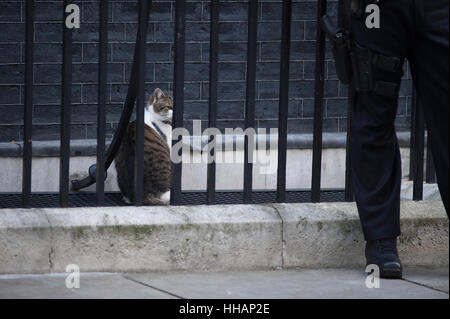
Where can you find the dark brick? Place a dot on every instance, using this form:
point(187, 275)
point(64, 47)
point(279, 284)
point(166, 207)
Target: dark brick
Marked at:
point(230, 110)
point(233, 31)
point(11, 74)
point(308, 108)
point(193, 11)
point(12, 32)
point(331, 70)
point(91, 12)
point(232, 11)
point(193, 52)
point(269, 31)
point(298, 31)
point(402, 106)
point(49, 11)
point(268, 109)
point(336, 107)
point(52, 52)
point(87, 72)
point(164, 32)
point(331, 88)
point(343, 90)
point(196, 110)
point(51, 94)
point(149, 72)
point(125, 11)
point(9, 133)
point(10, 52)
point(271, 11)
point(403, 123)
point(271, 71)
point(91, 52)
point(48, 32)
point(89, 32)
point(231, 90)
point(47, 73)
point(52, 132)
point(304, 10)
point(118, 92)
point(130, 32)
point(268, 71)
point(233, 52)
point(46, 114)
point(192, 91)
point(231, 71)
point(310, 30)
point(9, 94)
point(197, 31)
point(405, 88)
point(11, 114)
point(10, 11)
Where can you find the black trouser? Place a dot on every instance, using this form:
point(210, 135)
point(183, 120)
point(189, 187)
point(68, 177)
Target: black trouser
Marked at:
point(417, 30)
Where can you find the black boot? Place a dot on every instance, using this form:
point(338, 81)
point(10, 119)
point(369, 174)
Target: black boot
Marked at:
point(383, 253)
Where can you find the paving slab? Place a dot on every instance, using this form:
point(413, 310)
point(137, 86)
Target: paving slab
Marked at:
point(285, 284)
point(429, 277)
point(53, 286)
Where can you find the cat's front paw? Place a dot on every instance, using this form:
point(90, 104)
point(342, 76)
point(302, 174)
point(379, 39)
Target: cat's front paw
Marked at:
point(165, 198)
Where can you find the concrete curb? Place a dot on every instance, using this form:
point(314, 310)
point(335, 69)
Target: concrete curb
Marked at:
point(234, 237)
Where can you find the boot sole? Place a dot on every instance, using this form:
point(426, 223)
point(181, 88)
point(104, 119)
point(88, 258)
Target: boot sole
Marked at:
point(391, 273)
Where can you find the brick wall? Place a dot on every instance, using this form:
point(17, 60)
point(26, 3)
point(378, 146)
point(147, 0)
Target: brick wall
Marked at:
point(159, 67)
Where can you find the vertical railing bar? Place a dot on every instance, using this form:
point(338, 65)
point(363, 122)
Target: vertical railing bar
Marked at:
point(28, 104)
point(430, 169)
point(140, 104)
point(284, 100)
point(101, 111)
point(250, 96)
point(418, 139)
point(178, 95)
point(212, 112)
point(348, 158)
point(65, 112)
point(412, 139)
point(318, 104)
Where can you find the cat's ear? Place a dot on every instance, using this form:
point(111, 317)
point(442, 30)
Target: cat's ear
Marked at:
point(157, 94)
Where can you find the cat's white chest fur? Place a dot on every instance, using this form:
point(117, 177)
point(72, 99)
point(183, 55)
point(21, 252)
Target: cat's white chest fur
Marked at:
point(156, 122)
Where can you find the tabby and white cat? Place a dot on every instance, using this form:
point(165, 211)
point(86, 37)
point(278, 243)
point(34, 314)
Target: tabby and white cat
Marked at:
point(157, 163)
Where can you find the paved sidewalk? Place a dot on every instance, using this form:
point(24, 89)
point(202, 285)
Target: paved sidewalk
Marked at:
point(301, 283)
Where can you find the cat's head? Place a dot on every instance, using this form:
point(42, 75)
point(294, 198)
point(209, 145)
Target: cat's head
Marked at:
point(161, 106)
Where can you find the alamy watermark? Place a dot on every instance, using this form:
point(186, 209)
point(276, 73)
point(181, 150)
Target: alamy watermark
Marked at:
point(226, 147)
point(373, 279)
point(373, 17)
point(73, 279)
point(73, 17)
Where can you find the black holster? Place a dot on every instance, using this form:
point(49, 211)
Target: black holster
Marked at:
point(340, 47)
point(356, 64)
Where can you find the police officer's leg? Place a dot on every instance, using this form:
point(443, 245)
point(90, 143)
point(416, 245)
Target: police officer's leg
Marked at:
point(429, 64)
point(376, 167)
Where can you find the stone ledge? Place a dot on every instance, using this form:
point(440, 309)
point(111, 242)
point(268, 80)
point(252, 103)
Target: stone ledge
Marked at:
point(88, 147)
point(234, 237)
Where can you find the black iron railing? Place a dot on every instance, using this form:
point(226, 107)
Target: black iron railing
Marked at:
point(135, 96)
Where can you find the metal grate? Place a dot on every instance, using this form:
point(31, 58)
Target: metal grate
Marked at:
point(51, 200)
